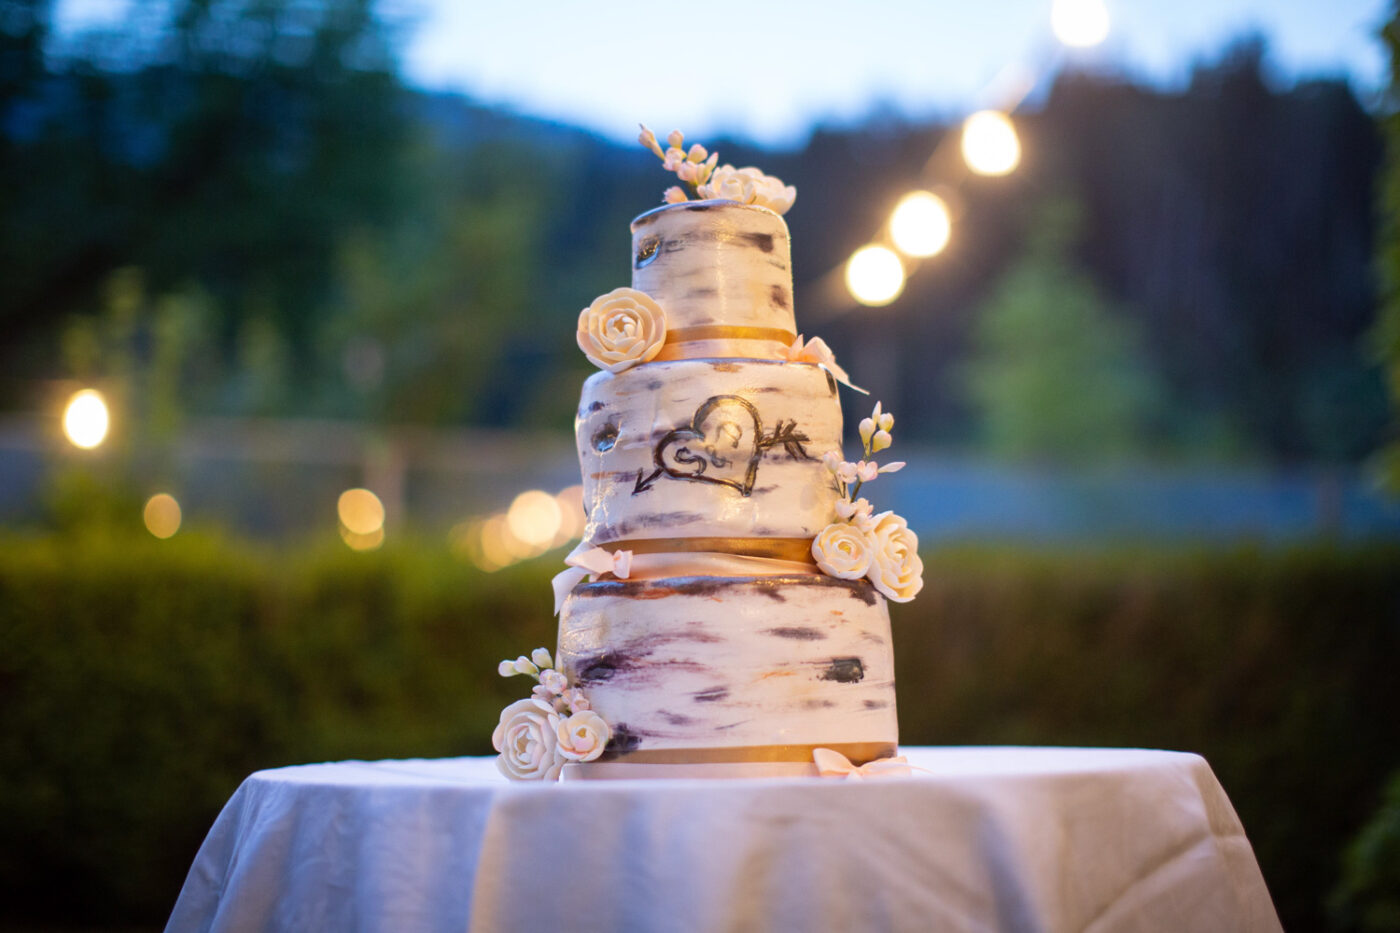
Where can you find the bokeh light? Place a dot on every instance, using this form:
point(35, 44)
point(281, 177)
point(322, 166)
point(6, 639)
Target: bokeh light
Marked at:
point(874, 275)
point(498, 545)
point(162, 515)
point(921, 225)
point(989, 143)
point(85, 419)
point(536, 522)
point(361, 512)
point(1079, 23)
point(572, 517)
point(365, 542)
point(534, 518)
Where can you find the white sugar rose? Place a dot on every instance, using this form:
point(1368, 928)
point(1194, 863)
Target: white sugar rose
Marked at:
point(583, 736)
point(528, 741)
point(727, 184)
point(843, 551)
point(769, 191)
point(896, 569)
point(620, 329)
point(748, 185)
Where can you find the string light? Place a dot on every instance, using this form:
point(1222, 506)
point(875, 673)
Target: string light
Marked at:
point(1079, 23)
point(921, 225)
point(874, 275)
point(85, 419)
point(989, 143)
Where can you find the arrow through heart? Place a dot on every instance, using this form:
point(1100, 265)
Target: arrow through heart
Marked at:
point(723, 444)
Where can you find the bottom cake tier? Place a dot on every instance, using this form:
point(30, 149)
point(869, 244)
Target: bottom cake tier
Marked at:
point(731, 676)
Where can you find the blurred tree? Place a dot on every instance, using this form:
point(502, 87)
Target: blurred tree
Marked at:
point(1367, 897)
point(228, 143)
point(1235, 220)
point(1386, 334)
point(1054, 373)
point(423, 314)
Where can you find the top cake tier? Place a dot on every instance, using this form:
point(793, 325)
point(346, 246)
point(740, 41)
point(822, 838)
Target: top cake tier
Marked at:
point(722, 273)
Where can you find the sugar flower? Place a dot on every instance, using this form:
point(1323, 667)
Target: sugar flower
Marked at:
point(843, 551)
point(648, 138)
point(620, 329)
point(896, 570)
point(553, 681)
point(698, 167)
point(555, 724)
point(583, 736)
point(528, 740)
point(857, 513)
point(816, 351)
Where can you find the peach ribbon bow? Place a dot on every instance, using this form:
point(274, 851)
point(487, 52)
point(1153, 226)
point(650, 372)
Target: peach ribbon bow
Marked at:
point(832, 764)
point(816, 351)
point(584, 561)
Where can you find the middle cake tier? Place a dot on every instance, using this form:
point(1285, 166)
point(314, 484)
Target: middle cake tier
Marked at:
point(726, 450)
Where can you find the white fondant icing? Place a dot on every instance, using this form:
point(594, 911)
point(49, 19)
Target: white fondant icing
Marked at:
point(732, 663)
point(649, 471)
point(716, 263)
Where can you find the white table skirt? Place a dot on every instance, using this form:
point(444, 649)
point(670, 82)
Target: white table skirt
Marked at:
point(989, 839)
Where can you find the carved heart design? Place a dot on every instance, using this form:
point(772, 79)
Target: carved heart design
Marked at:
point(722, 444)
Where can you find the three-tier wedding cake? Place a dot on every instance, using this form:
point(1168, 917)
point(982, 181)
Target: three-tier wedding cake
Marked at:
point(725, 614)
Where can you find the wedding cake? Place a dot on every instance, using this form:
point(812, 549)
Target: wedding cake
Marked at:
point(726, 612)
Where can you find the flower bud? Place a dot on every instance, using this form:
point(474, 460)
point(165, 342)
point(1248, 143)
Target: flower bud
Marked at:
point(697, 153)
point(676, 139)
point(647, 138)
point(506, 669)
point(881, 440)
point(867, 428)
point(541, 657)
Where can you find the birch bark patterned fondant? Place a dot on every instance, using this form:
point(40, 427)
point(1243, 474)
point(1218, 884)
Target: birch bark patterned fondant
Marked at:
point(716, 669)
point(722, 273)
point(708, 448)
point(704, 627)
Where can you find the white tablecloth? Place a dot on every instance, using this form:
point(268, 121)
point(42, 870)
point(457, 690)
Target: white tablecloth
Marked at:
point(990, 839)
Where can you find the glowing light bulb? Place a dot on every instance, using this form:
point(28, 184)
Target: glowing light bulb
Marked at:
point(921, 224)
point(874, 275)
point(85, 419)
point(534, 517)
point(989, 143)
point(1079, 23)
point(361, 512)
point(162, 515)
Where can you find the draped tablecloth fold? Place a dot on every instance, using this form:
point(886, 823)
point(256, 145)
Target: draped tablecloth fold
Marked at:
point(1034, 839)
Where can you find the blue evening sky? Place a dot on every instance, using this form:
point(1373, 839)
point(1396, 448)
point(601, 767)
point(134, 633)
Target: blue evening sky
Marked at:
point(769, 70)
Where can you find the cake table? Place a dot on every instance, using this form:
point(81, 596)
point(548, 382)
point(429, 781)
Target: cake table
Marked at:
point(980, 839)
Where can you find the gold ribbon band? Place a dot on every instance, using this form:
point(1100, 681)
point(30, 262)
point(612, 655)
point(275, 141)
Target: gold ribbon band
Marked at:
point(795, 549)
point(858, 752)
point(728, 332)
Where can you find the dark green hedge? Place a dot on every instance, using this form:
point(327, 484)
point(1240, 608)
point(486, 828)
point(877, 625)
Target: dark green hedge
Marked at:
point(140, 681)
